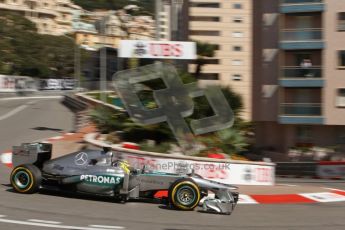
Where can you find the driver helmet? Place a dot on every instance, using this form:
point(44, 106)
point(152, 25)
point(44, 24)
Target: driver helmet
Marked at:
point(106, 149)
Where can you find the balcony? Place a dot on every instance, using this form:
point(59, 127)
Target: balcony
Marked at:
point(301, 113)
point(295, 76)
point(298, 6)
point(297, 39)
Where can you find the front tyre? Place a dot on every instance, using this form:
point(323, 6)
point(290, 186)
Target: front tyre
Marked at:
point(26, 179)
point(184, 194)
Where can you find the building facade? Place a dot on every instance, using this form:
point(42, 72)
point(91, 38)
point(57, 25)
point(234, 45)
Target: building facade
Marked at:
point(298, 73)
point(228, 25)
point(173, 20)
point(53, 17)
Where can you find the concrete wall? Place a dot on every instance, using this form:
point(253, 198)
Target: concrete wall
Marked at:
point(265, 59)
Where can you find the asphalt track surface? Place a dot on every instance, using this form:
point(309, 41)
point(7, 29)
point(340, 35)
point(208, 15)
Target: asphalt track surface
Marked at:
point(62, 211)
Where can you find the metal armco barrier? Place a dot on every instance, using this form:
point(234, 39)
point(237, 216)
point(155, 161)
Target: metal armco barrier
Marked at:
point(300, 169)
point(74, 104)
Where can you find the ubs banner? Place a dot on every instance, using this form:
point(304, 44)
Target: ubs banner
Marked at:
point(157, 49)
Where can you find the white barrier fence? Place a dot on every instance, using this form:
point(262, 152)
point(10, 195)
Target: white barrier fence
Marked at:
point(220, 170)
point(10, 84)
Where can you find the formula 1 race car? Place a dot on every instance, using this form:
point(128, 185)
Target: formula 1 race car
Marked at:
point(96, 172)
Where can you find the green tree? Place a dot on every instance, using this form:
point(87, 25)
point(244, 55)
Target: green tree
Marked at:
point(204, 50)
point(24, 52)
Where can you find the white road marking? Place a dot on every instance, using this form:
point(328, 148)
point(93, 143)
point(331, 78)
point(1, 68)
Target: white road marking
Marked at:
point(334, 189)
point(245, 199)
point(17, 110)
point(11, 113)
point(55, 138)
point(27, 98)
point(69, 134)
point(50, 225)
point(106, 226)
point(44, 221)
point(324, 197)
point(289, 185)
point(1, 216)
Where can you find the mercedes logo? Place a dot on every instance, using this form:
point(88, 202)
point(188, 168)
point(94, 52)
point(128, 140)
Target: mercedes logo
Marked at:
point(81, 158)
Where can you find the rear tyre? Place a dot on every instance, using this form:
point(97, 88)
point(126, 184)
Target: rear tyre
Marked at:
point(26, 179)
point(184, 194)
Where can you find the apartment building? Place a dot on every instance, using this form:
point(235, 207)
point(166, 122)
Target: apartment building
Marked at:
point(50, 16)
point(173, 20)
point(299, 73)
point(228, 25)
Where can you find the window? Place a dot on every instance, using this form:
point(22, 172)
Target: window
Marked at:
point(237, 48)
point(237, 6)
point(341, 21)
point(204, 19)
point(237, 19)
point(209, 76)
point(162, 23)
point(237, 34)
point(237, 62)
point(204, 32)
point(340, 101)
point(209, 61)
point(237, 77)
point(204, 4)
point(341, 58)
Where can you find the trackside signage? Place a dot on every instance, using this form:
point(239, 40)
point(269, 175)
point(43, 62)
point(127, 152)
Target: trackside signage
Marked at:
point(157, 49)
point(228, 173)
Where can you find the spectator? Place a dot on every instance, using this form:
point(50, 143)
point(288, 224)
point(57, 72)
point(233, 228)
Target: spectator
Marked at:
point(306, 66)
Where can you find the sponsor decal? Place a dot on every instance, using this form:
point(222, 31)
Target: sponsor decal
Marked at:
point(140, 49)
point(248, 174)
point(81, 159)
point(151, 181)
point(101, 179)
point(157, 49)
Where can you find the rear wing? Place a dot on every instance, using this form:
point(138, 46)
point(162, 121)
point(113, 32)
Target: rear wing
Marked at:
point(31, 153)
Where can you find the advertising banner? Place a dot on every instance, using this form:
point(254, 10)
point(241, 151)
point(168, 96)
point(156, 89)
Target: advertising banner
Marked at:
point(157, 49)
point(7, 84)
point(229, 173)
point(331, 169)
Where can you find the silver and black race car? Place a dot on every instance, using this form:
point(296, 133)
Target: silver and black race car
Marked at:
point(96, 172)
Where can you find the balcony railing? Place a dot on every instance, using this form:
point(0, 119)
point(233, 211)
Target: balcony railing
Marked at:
point(288, 72)
point(301, 109)
point(300, 1)
point(307, 34)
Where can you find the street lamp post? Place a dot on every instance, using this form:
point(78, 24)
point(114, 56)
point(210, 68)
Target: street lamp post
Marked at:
point(77, 75)
point(103, 63)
